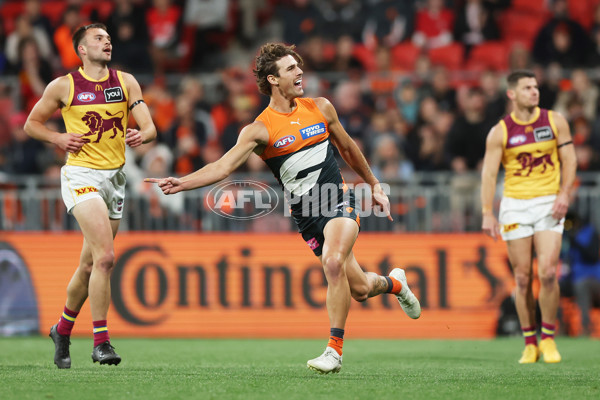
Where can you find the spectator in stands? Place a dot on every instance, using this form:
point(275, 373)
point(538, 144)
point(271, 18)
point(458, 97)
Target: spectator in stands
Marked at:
point(433, 26)
point(549, 84)
point(344, 60)
point(34, 74)
point(342, 17)
point(430, 155)
point(300, 19)
point(3, 61)
point(158, 160)
point(164, 22)
point(407, 101)
point(22, 154)
point(519, 57)
point(162, 107)
point(584, 91)
point(244, 112)
point(130, 37)
point(389, 22)
point(466, 139)
point(475, 24)
point(186, 136)
point(193, 89)
point(584, 263)
point(351, 109)
point(587, 158)
point(72, 19)
point(422, 72)
point(389, 161)
point(465, 148)
point(440, 90)
point(33, 11)
point(23, 29)
point(495, 99)
point(561, 39)
point(313, 53)
point(6, 111)
point(212, 22)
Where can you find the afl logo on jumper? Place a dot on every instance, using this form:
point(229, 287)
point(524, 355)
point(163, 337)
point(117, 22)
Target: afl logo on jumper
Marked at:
point(516, 140)
point(285, 141)
point(86, 97)
point(542, 134)
point(113, 94)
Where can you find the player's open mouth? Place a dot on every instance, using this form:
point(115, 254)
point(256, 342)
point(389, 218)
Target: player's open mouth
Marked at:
point(298, 83)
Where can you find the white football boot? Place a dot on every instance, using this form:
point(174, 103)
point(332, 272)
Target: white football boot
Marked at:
point(329, 361)
point(408, 301)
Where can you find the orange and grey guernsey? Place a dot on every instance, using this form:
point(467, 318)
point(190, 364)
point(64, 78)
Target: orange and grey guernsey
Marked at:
point(530, 156)
point(98, 110)
point(301, 157)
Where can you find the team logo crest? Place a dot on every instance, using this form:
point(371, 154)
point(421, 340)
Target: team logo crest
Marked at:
point(529, 162)
point(98, 125)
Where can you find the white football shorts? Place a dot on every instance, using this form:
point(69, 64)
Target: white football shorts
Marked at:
point(520, 218)
point(79, 184)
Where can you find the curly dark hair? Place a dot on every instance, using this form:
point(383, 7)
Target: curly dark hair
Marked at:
point(266, 63)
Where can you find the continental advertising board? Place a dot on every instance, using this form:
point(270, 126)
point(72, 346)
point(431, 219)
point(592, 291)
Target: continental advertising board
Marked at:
point(267, 285)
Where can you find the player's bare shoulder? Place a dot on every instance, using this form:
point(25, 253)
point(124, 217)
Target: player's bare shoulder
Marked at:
point(58, 91)
point(324, 105)
point(496, 134)
point(257, 133)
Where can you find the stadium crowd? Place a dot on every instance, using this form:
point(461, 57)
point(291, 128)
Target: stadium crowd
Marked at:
point(418, 84)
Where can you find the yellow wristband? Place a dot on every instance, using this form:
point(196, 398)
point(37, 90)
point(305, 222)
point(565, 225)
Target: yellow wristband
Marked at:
point(486, 209)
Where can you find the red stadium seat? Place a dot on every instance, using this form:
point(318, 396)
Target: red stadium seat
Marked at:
point(521, 26)
point(54, 10)
point(404, 55)
point(450, 56)
point(184, 61)
point(9, 12)
point(534, 6)
point(104, 8)
point(365, 56)
point(489, 55)
point(582, 11)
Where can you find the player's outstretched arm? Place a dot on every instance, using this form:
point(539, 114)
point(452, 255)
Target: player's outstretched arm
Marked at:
point(352, 154)
point(489, 176)
point(141, 114)
point(55, 96)
point(568, 166)
point(251, 139)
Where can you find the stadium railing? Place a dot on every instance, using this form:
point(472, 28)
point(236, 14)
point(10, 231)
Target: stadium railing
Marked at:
point(429, 202)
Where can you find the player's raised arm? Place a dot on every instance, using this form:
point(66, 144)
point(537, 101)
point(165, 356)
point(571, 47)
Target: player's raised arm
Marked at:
point(251, 139)
point(568, 166)
point(141, 114)
point(52, 100)
point(352, 154)
point(489, 176)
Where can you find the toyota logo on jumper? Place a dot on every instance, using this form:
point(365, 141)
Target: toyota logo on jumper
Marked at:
point(242, 200)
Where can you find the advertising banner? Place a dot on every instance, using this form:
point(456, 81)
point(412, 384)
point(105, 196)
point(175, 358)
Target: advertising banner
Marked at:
point(259, 285)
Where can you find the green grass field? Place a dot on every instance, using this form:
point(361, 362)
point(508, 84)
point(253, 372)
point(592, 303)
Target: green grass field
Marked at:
point(276, 369)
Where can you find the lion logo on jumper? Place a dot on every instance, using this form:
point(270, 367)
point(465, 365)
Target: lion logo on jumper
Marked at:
point(529, 162)
point(99, 126)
